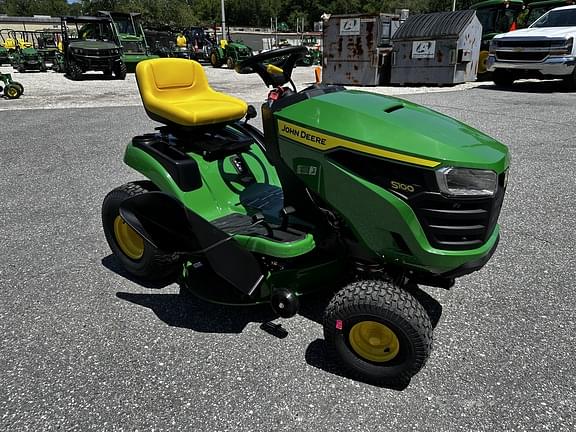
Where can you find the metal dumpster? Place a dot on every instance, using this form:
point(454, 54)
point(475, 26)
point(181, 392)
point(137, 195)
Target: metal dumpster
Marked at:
point(357, 48)
point(437, 48)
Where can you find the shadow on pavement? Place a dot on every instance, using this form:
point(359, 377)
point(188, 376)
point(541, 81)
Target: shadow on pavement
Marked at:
point(112, 264)
point(554, 86)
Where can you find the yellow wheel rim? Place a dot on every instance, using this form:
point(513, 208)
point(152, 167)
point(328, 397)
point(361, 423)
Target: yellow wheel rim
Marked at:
point(129, 241)
point(483, 62)
point(374, 341)
point(12, 92)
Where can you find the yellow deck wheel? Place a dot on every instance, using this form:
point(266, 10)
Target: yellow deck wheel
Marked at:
point(129, 241)
point(374, 341)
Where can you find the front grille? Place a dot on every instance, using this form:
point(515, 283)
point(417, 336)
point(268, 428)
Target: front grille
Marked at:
point(449, 223)
point(523, 44)
point(132, 47)
point(521, 56)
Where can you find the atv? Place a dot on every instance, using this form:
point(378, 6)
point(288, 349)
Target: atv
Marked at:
point(90, 43)
point(357, 195)
point(11, 89)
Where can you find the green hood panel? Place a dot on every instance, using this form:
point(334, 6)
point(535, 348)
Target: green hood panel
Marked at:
point(399, 126)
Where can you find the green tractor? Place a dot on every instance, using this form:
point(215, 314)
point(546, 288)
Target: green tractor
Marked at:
point(352, 194)
point(47, 42)
point(496, 16)
point(131, 35)
point(7, 45)
point(229, 53)
point(90, 43)
point(27, 56)
point(11, 89)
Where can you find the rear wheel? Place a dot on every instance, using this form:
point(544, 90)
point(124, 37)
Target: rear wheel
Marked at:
point(503, 78)
point(378, 331)
point(230, 63)
point(12, 91)
point(136, 255)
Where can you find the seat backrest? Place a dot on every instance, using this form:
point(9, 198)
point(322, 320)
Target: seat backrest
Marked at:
point(167, 78)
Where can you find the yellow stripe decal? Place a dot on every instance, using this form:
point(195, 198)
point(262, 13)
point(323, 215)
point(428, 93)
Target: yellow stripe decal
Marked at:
point(325, 142)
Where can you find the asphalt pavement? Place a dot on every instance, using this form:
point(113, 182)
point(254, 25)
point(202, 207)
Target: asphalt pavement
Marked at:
point(83, 347)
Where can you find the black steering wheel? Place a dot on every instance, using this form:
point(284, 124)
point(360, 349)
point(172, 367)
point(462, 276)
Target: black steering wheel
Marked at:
point(263, 64)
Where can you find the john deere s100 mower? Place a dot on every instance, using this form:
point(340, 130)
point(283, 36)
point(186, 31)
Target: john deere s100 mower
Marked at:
point(358, 194)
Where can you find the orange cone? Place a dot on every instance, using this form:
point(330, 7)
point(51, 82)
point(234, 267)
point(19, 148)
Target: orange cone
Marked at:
point(513, 26)
point(318, 74)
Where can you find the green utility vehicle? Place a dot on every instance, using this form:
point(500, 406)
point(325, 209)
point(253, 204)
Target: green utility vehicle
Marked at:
point(90, 43)
point(11, 89)
point(229, 53)
point(354, 194)
point(47, 43)
point(26, 56)
point(130, 33)
point(6, 46)
point(496, 16)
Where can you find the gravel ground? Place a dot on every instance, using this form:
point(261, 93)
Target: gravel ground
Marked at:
point(83, 347)
point(50, 90)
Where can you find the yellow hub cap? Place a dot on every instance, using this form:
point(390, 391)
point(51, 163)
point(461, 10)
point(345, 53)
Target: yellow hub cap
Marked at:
point(129, 241)
point(12, 92)
point(374, 341)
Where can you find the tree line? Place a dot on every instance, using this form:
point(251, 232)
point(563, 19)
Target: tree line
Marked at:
point(250, 13)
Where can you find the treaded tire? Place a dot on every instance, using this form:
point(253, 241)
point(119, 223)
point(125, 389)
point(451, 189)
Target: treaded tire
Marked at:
point(120, 71)
point(503, 78)
point(385, 303)
point(12, 91)
point(214, 60)
point(74, 71)
point(154, 265)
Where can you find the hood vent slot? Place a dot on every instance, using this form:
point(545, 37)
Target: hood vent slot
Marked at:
point(393, 108)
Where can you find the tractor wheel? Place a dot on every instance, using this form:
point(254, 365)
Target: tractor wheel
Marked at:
point(136, 255)
point(17, 84)
point(230, 63)
point(483, 62)
point(120, 70)
point(215, 61)
point(21, 69)
point(503, 78)
point(12, 91)
point(74, 72)
point(108, 73)
point(43, 67)
point(380, 333)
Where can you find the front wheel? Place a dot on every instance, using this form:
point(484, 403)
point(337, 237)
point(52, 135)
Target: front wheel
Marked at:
point(12, 91)
point(503, 78)
point(570, 81)
point(215, 60)
point(138, 257)
point(120, 70)
point(378, 331)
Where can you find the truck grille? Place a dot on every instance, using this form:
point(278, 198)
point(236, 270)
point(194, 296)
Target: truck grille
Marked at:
point(132, 47)
point(521, 56)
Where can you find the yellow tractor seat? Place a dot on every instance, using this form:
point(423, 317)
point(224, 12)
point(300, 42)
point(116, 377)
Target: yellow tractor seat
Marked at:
point(176, 92)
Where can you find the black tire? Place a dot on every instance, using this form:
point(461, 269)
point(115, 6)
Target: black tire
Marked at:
point(17, 84)
point(21, 69)
point(120, 70)
point(387, 306)
point(570, 81)
point(503, 78)
point(74, 71)
point(12, 91)
point(153, 265)
point(214, 60)
point(230, 63)
point(107, 73)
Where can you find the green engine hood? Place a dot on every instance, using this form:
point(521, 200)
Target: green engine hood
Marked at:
point(397, 126)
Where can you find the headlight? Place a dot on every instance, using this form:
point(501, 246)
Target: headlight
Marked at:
point(560, 47)
point(466, 182)
point(79, 51)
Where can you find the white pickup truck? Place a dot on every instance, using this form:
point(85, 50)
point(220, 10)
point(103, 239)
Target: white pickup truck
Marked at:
point(546, 49)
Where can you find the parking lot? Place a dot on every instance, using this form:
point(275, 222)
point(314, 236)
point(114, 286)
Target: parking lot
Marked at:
point(83, 347)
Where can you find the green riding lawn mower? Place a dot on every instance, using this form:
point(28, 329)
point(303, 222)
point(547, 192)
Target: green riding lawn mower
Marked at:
point(10, 89)
point(229, 53)
point(356, 196)
point(90, 43)
point(27, 56)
